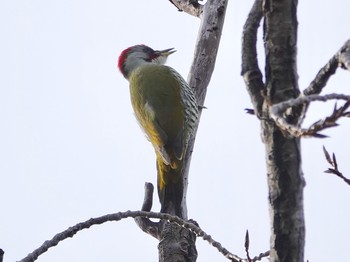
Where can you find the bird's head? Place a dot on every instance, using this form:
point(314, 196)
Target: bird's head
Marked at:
point(137, 55)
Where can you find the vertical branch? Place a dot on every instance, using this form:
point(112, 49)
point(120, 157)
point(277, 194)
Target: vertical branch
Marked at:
point(285, 177)
point(178, 244)
point(1, 255)
point(250, 68)
point(212, 21)
point(207, 47)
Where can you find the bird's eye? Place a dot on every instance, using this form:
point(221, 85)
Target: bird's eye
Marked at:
point(144, 57)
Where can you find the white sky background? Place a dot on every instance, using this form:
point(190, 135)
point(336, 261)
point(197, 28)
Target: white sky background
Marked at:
point(70, 147)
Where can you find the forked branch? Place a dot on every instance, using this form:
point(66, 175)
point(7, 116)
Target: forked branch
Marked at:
point(70, 232)
point(334, 170)
point(310, 94)
point(277, 111)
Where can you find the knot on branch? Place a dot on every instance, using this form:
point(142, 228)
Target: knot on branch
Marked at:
point(191, 7)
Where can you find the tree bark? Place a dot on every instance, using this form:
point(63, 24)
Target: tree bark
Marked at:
point(283, 156)
point(212, 15)
point(175, 242)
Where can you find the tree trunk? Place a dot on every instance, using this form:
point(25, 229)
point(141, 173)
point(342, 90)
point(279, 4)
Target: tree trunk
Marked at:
point(283, 157)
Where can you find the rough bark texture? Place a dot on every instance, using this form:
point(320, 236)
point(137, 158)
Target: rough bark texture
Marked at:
point(191, 7)
point(250, 69)
point(202, 67)
point(285, 177)
point(177, 243)
point(283, 159)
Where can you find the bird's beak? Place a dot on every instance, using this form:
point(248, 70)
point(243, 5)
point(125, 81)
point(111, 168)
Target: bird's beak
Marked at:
point(166, 52)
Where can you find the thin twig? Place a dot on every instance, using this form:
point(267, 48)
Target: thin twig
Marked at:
point(71, 231)
point(261, 256)
point(246, 245)
point(333, 162)
point(277, 110)
point(1, 255)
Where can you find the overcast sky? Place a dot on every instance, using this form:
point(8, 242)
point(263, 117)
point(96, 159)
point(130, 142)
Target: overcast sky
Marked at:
point(70, 147)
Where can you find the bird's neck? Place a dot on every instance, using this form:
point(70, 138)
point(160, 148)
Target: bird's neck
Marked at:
point(132, 64)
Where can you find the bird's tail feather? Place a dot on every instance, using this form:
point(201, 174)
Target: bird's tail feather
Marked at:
point(170, 188)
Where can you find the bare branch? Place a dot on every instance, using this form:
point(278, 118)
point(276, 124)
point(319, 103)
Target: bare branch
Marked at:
point(70, 232)
point(191, 7)
point(333, 163)
point(261, 256)
point(246, 245)
point(1, 255)
point(277, 110)
point(202, 67)
point(328, 157)
point(146, 225)
point(341, 58)
point(322, 77)
point(250, 69)
point(344, 58)
point(207, 47)
point(249, 111)
point(212, 16)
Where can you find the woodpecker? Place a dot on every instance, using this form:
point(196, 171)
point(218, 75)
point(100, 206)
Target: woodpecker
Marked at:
point(166, 108)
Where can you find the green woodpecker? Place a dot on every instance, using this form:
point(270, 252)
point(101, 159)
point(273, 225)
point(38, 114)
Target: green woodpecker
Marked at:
point(167, 111)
